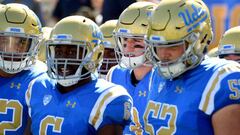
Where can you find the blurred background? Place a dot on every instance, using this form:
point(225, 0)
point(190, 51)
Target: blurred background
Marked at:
point(225, 13)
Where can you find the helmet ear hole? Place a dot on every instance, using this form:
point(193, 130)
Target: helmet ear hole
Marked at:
point(205, 50)
point(209, 41)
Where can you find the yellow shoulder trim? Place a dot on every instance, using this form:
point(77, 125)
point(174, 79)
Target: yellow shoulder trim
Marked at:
point(28, 95)
point(213, 86)
point(109, 74)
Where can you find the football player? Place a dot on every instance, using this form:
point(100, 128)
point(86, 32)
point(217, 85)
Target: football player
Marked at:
point(109, 58)
point(189, 94)
point(20, 35)
point(133, 71)
point(67, 100)
point(229, 46)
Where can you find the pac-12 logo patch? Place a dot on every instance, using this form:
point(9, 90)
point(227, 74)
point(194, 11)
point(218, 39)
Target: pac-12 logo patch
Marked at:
point(47, 99)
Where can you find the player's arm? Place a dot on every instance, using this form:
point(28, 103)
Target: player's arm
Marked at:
point(226, 118)
point(111, 130)
point(112, 111)
point(28, 127)
point(226, 121)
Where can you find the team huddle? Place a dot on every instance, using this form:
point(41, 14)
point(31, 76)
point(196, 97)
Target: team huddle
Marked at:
point(147, 72)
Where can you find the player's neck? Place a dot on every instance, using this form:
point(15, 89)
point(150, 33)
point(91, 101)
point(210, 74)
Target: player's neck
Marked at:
point(141, 71)
point(63, 89)
point(6, 75)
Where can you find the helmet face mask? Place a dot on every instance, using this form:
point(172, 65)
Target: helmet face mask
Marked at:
point(130, 51)
point(67, 61)
point(182, 59)
point(109, 60)
point(180, 21)
point(19, 39)
point(74, 50)
point(16, 53)
point(109, 57)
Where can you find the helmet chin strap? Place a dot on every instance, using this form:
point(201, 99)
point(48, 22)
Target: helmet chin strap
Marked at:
point(68, 82)
point(172, 71)
point(81, 74)
point(133, 62)
point(13, 67)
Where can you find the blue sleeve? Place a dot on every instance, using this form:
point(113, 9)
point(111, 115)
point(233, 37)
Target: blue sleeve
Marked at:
point(118, 112)
point(229, 91)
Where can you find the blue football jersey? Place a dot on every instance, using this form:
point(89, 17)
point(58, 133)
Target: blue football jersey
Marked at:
point(139, 94)
point(185, 106)
point(13, 108)
point(82, 111)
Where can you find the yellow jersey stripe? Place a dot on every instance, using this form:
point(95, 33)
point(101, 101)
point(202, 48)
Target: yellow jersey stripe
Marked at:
point(109, 74)
point(28, 95)
point(213, 86)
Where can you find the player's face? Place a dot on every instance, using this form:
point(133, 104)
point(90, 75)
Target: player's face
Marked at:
point(13, 45)
point(232, 57)
point(70, 52)
point(171, 53)
point(133, 47)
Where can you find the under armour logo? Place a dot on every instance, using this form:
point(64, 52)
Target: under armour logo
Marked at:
point(17, 86)
point(142, 93)
point(69, 104)
point(178, 89)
